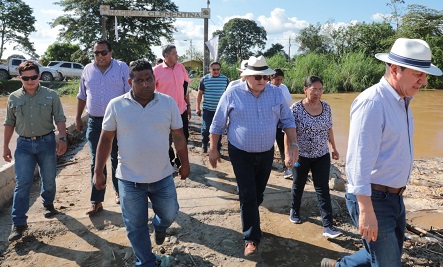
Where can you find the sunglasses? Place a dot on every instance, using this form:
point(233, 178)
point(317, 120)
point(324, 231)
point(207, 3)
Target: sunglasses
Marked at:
point(102, 52)
point(259, 77)
point(26, 78)
point(215, 69)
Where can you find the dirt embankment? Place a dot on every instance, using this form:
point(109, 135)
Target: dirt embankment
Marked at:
point(207, 231)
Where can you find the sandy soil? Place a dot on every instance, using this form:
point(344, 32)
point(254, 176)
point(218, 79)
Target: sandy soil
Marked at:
point(207, 231)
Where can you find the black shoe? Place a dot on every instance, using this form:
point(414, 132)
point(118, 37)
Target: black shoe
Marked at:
point(50, 211)
point(17, 232)
point(205, 147)
point(159, 237)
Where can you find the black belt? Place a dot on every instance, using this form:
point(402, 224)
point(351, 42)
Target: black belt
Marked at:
point(94, 117)
point(387, 189)
point(36, 137)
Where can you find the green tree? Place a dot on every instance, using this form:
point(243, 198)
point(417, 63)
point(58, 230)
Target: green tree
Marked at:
point(238, 38)
point(310, 39)
point(396, 13)
point(59, 52)
point(16, 23)
point(275, 49)
point(82, 23)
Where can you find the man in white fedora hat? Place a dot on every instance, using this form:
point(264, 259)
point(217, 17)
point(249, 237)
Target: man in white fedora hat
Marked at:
point(253, 109)
point(380, 154)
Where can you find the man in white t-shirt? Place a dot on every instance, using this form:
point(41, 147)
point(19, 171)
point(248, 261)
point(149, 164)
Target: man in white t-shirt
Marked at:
point(142, 120)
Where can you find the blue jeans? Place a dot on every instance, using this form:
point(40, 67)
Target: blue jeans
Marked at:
point(252, 172)
point(27, 154)
point(134, 204)
point(319, 168)
point(93, 135)
point(387, 249)
point(207, 118)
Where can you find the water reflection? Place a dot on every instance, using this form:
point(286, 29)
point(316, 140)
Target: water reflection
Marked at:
point(427, 109)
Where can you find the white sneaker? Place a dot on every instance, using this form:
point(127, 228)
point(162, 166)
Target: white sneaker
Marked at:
point(331, 232)
point(287, 174)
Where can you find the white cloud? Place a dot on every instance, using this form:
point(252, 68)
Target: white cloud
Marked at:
point(379, 17)
point(279, 22)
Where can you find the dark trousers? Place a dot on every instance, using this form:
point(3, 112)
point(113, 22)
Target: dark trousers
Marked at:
point(280, 138)
point(172, 157)
point(252, 172)
point(207, 118)
point(319, 168)
point(93, 135)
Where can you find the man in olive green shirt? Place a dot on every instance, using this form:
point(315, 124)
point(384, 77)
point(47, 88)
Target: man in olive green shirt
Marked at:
point(32, 111)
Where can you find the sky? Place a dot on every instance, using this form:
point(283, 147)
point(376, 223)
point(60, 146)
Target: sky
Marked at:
point(282, 19)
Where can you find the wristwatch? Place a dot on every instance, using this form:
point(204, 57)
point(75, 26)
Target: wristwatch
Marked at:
point(63, 139)
point(295, 144)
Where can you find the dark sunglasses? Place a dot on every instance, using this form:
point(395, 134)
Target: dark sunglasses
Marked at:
point(102, 52)
point(259, 77)
point(215, 69)
point(26, 78)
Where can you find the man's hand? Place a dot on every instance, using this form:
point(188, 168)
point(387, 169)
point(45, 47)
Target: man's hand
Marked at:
point(214, 157)
point(198, 111)
point(188, 109)
point(99, 180)
point(368, 226)
point(183, 171)
point(291, 156)
point(78, 123)
point(61, 147)
point(7, 154)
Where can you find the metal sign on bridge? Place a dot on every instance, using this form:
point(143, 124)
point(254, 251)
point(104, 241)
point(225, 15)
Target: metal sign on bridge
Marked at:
point(105, 10)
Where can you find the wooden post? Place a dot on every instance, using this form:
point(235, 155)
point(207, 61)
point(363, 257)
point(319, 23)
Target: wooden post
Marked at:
point(104, 28)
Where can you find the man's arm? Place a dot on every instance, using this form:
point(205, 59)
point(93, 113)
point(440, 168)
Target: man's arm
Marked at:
point(214, 155)
point(367, 221)
point(7, 135)
point(61, 146)
point(181, 147)
point(103, 151)
point(198, 102)
point(81, 104)
point(291, 147)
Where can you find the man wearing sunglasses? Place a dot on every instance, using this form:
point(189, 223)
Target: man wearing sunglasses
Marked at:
point(32, 111)
point(101, 81)
point(250, 112)
point(211, 88)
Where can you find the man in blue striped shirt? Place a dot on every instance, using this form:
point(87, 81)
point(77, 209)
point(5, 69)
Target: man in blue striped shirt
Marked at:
point(211, 88)
point(250, 112)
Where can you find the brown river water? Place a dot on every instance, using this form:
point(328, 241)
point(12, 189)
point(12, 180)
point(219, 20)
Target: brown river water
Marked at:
point(427, 108)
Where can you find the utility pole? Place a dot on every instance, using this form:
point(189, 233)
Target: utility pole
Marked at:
point(205, 39)
point(289, 52)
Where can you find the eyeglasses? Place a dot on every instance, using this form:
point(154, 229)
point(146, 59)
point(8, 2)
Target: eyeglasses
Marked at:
point(318, 90)
point(102, 52)
point(215, 69)
point(259, 77)
point(26, 78)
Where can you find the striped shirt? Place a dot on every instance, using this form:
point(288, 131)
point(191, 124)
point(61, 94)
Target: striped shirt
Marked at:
point(97, 88)
point(252, 119)
point(213, 88)
point(380, 148)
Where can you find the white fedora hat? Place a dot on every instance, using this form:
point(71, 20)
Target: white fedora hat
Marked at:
point(257, 66)
point(243, 65)
point(411, 53)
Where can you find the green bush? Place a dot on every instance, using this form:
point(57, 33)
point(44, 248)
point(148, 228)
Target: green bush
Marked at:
point(62, 88)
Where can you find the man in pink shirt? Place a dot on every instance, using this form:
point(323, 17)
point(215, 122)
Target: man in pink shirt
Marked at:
point(171, 78)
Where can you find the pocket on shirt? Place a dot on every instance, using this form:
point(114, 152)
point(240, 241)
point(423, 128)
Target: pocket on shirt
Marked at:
point(17, 109)
point(276, 111)
point(45, 107)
